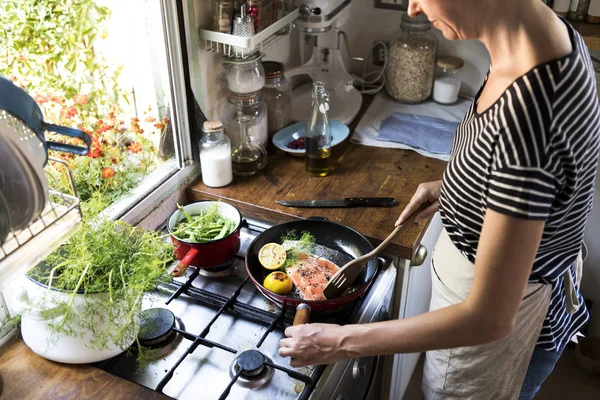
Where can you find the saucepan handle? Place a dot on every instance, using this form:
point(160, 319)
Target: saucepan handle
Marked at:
point(74, 133)
point(302, 314)
point(183, 265)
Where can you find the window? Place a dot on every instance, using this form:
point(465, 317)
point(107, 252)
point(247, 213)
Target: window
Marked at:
point(105, 67)
point(113, 69)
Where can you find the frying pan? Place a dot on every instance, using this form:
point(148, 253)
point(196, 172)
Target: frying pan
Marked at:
point(336, 242)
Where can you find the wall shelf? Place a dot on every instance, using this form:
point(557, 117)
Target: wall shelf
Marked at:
point(239, 47)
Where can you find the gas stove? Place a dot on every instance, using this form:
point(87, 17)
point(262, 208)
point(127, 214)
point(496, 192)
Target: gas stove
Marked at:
point(214, 336)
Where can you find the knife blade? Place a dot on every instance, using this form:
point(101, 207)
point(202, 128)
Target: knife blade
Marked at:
point(339, 203)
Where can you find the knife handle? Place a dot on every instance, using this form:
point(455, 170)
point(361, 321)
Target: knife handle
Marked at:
point(370, 201)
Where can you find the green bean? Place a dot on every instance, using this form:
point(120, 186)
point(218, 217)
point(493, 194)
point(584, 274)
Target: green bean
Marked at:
point(204, 227)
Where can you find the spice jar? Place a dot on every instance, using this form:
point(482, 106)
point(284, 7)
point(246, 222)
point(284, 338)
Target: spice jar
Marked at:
point(578, 10)
point(447, 83)
point(255, 10)
point(593, 14)
point(561, 7)
point(244, 76)
point(223, 16)
point(215, 155)
point(252, 106)
point(277, 97)
point(411, 64)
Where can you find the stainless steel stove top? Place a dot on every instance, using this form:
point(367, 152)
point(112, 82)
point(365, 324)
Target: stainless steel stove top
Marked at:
point(222, 317)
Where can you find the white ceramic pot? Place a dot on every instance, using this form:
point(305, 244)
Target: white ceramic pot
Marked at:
point(35, 302)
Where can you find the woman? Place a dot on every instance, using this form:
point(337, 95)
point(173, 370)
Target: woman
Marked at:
point(513, 200)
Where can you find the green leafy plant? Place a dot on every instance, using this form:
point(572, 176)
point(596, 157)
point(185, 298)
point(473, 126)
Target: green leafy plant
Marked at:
point(112, 265)
point(48, 47)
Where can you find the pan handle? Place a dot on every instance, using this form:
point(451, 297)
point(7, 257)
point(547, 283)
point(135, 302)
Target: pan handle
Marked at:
point(183, 265)
point(302, 314)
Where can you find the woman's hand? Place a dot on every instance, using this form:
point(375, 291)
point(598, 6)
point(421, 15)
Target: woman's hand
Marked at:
point(313, 344)
point(426, 193)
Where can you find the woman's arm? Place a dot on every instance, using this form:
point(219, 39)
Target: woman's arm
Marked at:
point(505, 255)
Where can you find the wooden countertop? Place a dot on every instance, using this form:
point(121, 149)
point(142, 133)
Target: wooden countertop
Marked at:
point(25, 375)
point(361, 171)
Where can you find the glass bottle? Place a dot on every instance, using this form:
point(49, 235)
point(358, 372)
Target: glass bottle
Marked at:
point(411, 64)
point(249, 156)
point(215, 155)
point(252, 106)
point(277, 97)
point(318, 160)
point(280, 10)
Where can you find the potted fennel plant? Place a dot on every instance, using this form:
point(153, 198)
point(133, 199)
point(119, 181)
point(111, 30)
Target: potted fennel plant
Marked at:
point(83, 303)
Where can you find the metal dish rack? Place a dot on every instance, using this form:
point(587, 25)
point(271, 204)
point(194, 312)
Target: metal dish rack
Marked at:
point(25, 248)
point(240, 47)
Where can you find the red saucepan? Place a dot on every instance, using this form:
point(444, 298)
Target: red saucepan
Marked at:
point(344, 244)
point(211, 254)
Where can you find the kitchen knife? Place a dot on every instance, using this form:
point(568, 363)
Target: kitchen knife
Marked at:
point(347, 202)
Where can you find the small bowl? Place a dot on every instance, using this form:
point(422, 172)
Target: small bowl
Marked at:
point(339, 133)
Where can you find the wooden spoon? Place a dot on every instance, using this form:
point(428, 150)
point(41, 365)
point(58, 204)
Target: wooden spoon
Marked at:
point(346, 275)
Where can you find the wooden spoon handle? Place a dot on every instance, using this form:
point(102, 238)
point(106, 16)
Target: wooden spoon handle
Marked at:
point(409, 221)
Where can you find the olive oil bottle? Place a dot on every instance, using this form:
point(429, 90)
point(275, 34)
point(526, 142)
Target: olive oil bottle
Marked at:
point(318, 159)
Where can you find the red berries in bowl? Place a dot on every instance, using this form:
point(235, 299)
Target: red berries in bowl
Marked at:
point(297, 144)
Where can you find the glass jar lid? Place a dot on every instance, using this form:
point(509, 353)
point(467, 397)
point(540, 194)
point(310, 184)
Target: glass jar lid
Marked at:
point(450, 63)
point(273, 69)
point(419, 23)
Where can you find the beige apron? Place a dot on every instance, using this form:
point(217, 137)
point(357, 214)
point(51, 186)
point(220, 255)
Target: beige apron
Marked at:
point(491, 371)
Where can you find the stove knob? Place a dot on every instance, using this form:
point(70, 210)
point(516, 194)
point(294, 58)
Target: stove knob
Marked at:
point(419, 256)
point(384, 314)
point(359, 369)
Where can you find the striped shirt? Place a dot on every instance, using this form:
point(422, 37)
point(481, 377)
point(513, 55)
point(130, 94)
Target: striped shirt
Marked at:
point(532, 155)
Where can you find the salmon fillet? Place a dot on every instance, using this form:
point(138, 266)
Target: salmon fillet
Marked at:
point(311, 274)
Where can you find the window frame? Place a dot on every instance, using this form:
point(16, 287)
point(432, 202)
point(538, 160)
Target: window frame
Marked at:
point(174, 174)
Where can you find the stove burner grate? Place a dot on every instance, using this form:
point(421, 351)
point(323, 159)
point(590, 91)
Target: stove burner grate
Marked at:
point(252, 369)
point(156, 327)
point(220, 271)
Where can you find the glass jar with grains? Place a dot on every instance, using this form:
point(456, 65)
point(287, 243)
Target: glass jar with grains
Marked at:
point(251, 105)
point(277, 97)
point(411, 64)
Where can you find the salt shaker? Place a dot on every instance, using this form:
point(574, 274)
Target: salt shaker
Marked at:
point(243, 26)
point(215, 155)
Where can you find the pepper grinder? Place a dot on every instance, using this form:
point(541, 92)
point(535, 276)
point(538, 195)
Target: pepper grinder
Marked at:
point(243, 26)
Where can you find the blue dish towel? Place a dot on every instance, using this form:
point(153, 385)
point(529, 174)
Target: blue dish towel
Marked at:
point(432, 135)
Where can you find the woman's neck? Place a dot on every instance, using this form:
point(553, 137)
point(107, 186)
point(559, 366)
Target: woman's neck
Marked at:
point(522, 34)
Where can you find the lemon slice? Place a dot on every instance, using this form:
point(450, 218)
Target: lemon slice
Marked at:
point(272, 256)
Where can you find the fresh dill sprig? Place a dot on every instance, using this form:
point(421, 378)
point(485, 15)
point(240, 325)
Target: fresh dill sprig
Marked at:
point(294, 246)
